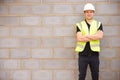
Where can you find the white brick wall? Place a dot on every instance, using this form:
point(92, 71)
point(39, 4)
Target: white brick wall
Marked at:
point(52, 42)
point(19, 10)
point(30, 64)
point(20, 31)
point(41, 9)
point(4, 31)
point(42, 53)
point(108, 9)
point(53, 20)
point(59, 75)
point(20, 53)
point(63, 9)
point(113, 29)
point(10, 64)
point(4, 75)
point(20, 75)
point(63, 53)
point(63, 31)
point(3, 9)
point(9, 20)
point(4, 53)
point(9, 42)
point(42, 75)
point(41, 32)
point(30, 42)
point(37, 39)
point(33, 20)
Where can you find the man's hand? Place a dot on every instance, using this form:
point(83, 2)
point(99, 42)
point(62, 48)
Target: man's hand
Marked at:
point(87, 38)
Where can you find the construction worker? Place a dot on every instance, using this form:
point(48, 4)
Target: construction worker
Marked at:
point(89, 33)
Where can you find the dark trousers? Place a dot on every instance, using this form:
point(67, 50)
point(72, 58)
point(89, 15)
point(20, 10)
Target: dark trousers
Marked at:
point(93, 62)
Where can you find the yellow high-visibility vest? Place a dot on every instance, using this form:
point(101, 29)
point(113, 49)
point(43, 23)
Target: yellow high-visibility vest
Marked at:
point(94, 44)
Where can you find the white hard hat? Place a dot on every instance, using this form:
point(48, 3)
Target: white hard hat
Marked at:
point(89, 6)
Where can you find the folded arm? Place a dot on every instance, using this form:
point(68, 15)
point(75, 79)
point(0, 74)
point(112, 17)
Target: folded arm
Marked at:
point(97, 36)
point(87, 38)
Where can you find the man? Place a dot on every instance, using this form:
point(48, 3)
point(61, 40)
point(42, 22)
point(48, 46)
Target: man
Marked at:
point(89, 33)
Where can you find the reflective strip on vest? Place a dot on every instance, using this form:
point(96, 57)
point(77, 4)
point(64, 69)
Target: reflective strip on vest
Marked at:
point(94, 45)
point(81, 46)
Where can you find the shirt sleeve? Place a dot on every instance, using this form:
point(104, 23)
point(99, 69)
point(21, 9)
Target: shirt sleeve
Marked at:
point(77, 29)
point(101, 27)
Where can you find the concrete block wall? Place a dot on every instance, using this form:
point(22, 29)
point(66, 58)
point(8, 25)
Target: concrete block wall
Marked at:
point(37, 39)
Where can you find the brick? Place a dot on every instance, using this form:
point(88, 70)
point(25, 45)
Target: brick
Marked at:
point(3, 10)
point(72, 20)
point(30, 42)
point(4, 75)
point(71, 64)
point(110, 31)
point(103, 19)
point(20, 75)
point(41, 31)
point(69, 75)
point(7, 20)
point(20, 53)
point(115, 1)
point(103, 64)
point(21, 1)
point(104, 43)
point(19, 9)
point(42, 53)
point(97, 0)
point(69, 42)
point(113, 42)
point(108, 9)
point(31, 20)
point(52, 20)
point(42, 75)
point(63, 53)
point(4, 31)
point(4, 53)
point(41, 9)
point(114, 20)
point(30, 0)
point(117, 75)
point(30, 64)
point(109, 75)
point(63, 31)
point(115, 64)
point(75, 1)
point(79, 8)
point(54, 64)
point(9, 42)
point(20, 31)
point(118, 52)
point(6, 1)
point(54, 1)
point(10, 64)
point(109, 52)
point(52, 42)
point(63, 9)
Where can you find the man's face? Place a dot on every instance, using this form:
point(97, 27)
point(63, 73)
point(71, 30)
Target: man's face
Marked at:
point(89, 14)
